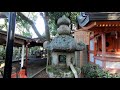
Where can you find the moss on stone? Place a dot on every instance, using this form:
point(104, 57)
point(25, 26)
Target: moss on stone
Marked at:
point(61, 71)
point(63, 42)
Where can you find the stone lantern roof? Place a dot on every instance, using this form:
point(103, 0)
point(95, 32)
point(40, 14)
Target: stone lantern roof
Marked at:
point(63, 43)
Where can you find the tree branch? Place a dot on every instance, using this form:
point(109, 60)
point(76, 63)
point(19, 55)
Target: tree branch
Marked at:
point(31, 23)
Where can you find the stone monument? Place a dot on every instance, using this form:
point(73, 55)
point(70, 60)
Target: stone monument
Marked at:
point(63, 46)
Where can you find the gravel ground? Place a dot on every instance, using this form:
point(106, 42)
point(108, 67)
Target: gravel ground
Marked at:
point(42, 74)
point(34, 65)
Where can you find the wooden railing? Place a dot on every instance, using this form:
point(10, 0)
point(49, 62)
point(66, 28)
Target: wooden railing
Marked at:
point(110, 54)
point(110, 59)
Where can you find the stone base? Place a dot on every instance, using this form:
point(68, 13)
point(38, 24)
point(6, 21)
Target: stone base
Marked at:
point(59, 72)
point(61, 75)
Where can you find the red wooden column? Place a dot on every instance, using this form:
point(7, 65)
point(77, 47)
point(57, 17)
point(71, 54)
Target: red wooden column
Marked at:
point(95, 50)
point(103, 47)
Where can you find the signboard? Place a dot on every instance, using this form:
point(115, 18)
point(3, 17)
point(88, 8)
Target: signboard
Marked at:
point(82, 35)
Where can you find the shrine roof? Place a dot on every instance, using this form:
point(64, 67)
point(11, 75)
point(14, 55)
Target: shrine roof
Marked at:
point(103, 15)
point(20, 40)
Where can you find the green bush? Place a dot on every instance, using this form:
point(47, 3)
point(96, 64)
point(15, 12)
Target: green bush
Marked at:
point(2, 54)
point(95, 71)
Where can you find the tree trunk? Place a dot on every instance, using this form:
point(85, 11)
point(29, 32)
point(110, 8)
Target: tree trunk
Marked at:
point(46, 26)
point(47, 34)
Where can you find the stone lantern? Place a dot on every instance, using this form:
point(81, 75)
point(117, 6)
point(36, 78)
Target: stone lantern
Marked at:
point(63, 46)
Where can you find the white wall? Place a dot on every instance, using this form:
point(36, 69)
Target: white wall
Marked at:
point(112, 64)
point(99, 62)
point(91, 57)
point(92, 44)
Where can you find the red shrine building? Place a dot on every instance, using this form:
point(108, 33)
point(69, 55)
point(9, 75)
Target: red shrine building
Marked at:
point(103, 30)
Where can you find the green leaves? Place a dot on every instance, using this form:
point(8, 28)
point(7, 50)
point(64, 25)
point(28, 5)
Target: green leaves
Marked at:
point(27, 34)
point(22, 23)
point(54, 16)
point(94, 71)
point(2, 54)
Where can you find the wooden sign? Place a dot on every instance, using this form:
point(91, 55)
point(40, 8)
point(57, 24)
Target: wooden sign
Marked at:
point(82, 35)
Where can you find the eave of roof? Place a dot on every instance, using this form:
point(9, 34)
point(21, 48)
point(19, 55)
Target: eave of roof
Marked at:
point(37, 41)
point(103, 15)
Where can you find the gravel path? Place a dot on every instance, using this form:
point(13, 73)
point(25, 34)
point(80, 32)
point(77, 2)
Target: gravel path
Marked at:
point(42, 74)
point(34, 65)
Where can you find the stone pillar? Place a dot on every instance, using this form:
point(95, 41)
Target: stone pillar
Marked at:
point(68, 58)
point(73, 58)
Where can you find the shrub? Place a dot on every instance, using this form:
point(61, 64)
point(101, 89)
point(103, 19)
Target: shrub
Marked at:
point(95, 71)
point(2, 54)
